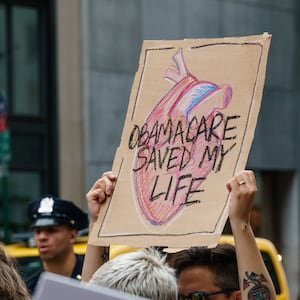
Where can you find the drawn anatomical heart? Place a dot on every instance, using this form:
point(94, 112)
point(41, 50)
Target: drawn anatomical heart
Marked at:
point(187, 120)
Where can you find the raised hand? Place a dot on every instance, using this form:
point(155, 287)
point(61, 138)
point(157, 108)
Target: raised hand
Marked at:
point(99, 192)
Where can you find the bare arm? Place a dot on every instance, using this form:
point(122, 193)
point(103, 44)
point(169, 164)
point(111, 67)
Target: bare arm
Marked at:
point(95, 256)
point(253, 275)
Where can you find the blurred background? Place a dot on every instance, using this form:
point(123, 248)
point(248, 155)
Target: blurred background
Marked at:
point(66, 70)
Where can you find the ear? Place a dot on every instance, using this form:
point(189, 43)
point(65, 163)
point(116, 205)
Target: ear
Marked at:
point(73, 235)
point(236, 295)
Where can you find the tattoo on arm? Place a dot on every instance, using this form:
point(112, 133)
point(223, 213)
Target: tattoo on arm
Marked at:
point(258, 290)
point(105, 254)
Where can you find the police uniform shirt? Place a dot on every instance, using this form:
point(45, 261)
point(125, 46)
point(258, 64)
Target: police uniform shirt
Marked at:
point(32, 282)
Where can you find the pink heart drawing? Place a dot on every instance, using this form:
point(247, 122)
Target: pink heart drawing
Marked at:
point(181, 131)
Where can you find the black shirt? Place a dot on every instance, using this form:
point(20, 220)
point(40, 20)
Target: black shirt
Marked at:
point(31, 283)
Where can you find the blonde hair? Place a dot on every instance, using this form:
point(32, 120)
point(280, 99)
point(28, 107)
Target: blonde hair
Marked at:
point(12, 287)
point(142, 273)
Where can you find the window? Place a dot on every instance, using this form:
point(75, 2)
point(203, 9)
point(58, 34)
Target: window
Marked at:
point(27, 72)
point(25, 61)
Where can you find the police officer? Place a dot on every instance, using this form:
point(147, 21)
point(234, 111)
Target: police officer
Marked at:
point(56, 223)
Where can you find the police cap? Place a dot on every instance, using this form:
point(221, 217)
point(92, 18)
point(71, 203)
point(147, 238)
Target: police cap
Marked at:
point(49, 211)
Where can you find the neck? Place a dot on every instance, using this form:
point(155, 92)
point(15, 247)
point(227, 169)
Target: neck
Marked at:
point(62, 266)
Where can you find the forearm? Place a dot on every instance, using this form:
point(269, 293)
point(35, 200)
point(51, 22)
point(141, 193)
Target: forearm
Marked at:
point(253, 275)
point(95, 256)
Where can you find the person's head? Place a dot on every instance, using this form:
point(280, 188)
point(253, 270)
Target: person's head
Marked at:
point(12, 286)
point(55, 223)
point(208, 270)
point(143, 273)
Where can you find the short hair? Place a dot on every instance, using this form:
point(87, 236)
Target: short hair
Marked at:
point(12, 287)
point(143, 273)
point(221, 260)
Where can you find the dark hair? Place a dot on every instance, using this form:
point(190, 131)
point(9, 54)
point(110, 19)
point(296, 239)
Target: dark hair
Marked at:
point(221, 260)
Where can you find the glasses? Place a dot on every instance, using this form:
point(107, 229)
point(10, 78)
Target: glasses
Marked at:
point(203, 296)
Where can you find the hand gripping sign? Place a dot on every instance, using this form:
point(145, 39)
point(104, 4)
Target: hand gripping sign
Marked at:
point(189, 128)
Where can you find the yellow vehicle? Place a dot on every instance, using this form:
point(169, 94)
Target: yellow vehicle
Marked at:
point(27, 255)
point(29, 262)
point(273, 262)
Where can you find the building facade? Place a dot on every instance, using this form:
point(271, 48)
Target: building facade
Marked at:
point(66, 70)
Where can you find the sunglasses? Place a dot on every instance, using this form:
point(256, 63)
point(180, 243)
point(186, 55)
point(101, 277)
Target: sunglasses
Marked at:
point(202, 295)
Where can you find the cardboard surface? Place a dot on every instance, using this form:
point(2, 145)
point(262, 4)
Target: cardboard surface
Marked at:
point(189, 128)
point(52, 286)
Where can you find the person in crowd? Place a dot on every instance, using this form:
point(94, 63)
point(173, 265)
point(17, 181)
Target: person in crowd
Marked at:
point(204, 272)
point(12, 287)
point(56, 223)
point(225, 271)
point(143, 273)
point(198, 281)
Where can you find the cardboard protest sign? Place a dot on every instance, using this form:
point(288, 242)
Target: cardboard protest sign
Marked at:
point(189, 127)
point(52, 286)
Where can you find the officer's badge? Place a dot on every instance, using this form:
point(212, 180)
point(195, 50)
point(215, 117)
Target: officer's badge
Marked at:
point(46, 205)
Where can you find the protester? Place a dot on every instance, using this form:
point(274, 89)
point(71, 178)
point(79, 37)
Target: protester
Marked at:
point(208, 271)
point(56, 223)
point(143, 273)
point(12, 286)
point(230, 272)
point(200, 282)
